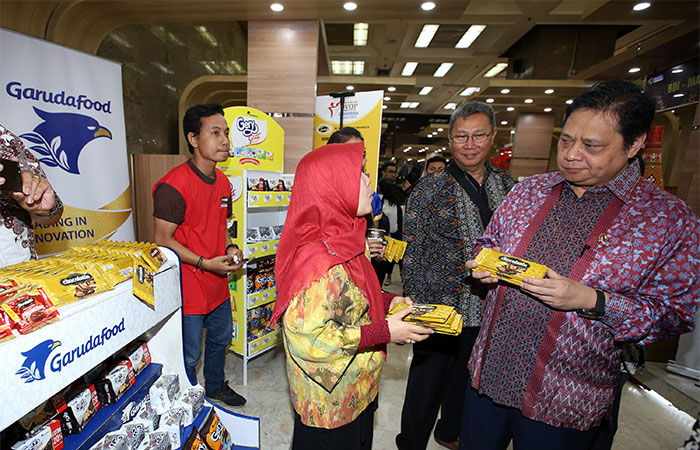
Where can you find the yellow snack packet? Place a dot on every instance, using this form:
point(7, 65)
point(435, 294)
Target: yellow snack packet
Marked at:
point(143, 284)
point(508, 268)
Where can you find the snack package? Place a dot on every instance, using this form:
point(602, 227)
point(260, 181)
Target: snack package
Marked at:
point(28, 308)
point(139, 356)
point(5, 327)
point(159, 440)
point(116, 440)
point(163, 392)
point(42, 413)
point(441, 318)
point(44, 437)
point(508, 268)
point(135, 433)
point(253, 183)
point(279, 185)
point(215, 434)
point(115, 383)
point(143, 284)
point(277, 231)
point(170, 422)
point(147, 414)
point(194, 442)
point(193, 396)
point(80, 408)
point(265, 233)
point(252, 235)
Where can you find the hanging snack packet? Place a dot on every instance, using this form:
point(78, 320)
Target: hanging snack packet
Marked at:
point(143, 284)
point(80, 408)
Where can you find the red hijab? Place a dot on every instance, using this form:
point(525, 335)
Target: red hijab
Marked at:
point(322, 229)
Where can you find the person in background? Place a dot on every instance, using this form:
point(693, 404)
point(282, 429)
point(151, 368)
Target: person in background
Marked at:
point(190, 207)
point(330, 303)
point(394, 199)
point(388, 170)
point(445, 213)
point(623, 259)
point(435, 165)
point(37, 201)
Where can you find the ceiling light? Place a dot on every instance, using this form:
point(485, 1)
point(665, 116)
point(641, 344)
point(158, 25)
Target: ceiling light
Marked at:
point(426, 90)
point(386, 99)
point(450, 106)
point(443, 69)
point(421, 160)
point(427, 6)
point(641, 6)
point(469, 91)
point(548, 109)
point(409, 68)
point(421, 150)
point(391, 89)
point(411, 105)
point(678, 95)
point(528, 100)
point(569, 101)
point(430, 135)
point(510, 108)
point(677, 71)
point(490, 100)
point(350, 6)
point(426, 35)
point(349, 88)
point(414, 105)
point(384, 107)
point(406, 150)
point(504, 122)
point(505, 91)
point(409, 159)
point(441, 129)
point(276, 7)
point(495, 70)
point(634, 70)
point(512, 131)
point(470, 36)
point(359, 34)
point(549, 91)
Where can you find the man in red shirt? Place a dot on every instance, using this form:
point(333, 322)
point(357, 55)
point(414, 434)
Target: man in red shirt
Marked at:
point(190, 207)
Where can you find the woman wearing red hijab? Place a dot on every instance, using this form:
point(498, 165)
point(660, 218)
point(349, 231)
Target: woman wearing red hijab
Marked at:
point(332, 308)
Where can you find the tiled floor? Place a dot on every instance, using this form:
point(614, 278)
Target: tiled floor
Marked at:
point(647, 420)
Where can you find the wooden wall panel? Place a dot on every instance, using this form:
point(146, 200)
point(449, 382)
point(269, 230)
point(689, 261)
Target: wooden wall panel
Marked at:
point(533, 136)
point(689, 183)
point(282, 65)
point(298, 139)
point(147, 169)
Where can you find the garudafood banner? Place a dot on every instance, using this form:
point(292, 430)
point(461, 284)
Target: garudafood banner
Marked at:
point(362, 111)
point(67, 108)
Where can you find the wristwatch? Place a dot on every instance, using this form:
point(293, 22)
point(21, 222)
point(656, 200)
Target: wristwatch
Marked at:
point(597, 311)
point(58, 205)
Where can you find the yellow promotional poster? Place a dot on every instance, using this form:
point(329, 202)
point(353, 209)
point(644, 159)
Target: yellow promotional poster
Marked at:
point(362, 111)
point(256, 140)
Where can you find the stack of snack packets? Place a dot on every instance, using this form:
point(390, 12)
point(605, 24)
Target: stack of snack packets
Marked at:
point(395, 249)
point(441, 318)
point(508, 268)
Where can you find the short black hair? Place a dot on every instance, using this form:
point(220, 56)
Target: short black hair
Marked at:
point(436, 158)
point(624, 101)
point(388, 164)
point(192, 122)
point(345, 134)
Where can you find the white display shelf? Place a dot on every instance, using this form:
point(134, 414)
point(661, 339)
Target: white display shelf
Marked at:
point(89, 332)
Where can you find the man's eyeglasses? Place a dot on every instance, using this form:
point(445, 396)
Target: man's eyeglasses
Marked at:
point(478, 139)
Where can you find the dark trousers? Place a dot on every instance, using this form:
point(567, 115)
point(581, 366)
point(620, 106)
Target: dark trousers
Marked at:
point(219, 333)
point(608, 427)
point(489, 426)
point(356, 435)
point(437, 381)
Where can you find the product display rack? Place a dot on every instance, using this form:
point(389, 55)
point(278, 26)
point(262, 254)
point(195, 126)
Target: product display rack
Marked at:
point(127, 319)
point(254, 209)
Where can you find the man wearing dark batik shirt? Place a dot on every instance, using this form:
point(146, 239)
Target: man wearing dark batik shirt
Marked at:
point(445, 213)
point(623, 260)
